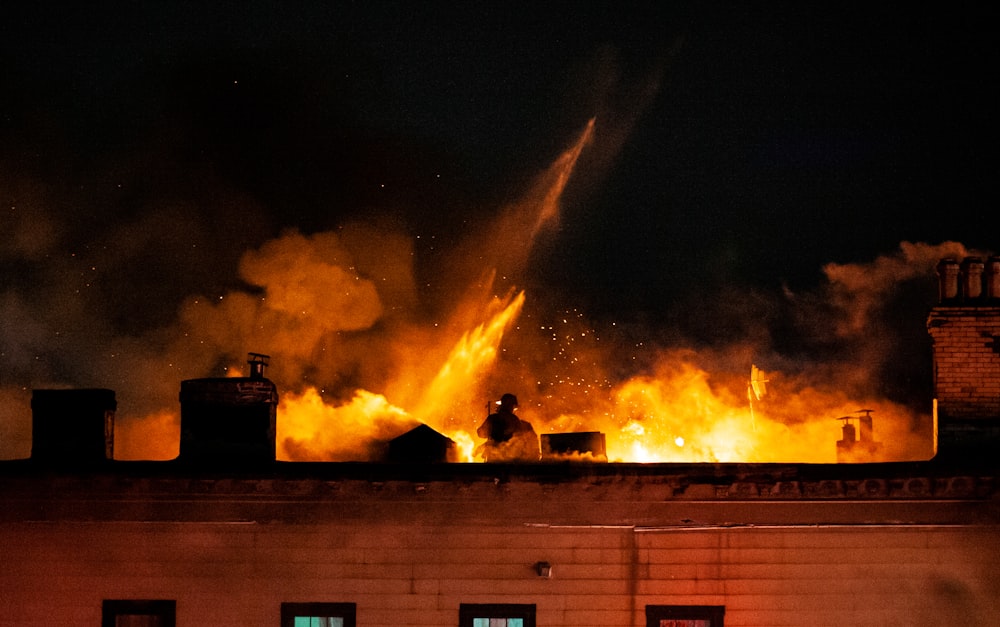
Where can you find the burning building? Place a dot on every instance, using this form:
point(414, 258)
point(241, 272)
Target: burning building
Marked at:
point(209, 539)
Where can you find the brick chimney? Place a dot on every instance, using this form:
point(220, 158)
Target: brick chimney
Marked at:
point(229, 421)
point(965, 333)
point(73, 427)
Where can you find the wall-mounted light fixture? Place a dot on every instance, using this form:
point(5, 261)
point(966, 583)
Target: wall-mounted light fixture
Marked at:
point(544, 569)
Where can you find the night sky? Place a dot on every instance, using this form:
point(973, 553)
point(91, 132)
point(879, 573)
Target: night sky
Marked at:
point(738, 148)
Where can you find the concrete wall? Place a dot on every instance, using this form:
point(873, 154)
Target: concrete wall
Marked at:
point(237, 574)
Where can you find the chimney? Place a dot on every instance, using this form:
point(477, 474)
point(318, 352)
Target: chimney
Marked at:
point(858, 444)
point(257, 364)
point(947, 270)
point(993, 279)
point(965, 340)
point(229, 421)
point(972, 278)
point(866, 424)
point(73, 427)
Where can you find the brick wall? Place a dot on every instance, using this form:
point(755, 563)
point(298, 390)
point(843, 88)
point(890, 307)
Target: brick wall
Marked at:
point(237, 575)
point(966, 343)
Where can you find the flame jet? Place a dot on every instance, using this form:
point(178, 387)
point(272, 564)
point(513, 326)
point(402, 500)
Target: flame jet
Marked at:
point(518, 226)
point(480, 316)
point(500, 250)
point(439, 376)
point(552, 184)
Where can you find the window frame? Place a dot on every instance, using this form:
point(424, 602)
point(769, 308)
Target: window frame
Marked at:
point(714, 614)
point(346, 611)
point(469, 611)
point(165, 609)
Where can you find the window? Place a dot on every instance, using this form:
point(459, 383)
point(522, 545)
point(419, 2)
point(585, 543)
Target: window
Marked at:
point(317, 614)
point(496, 615)
point(684, 615)
point(139, 613)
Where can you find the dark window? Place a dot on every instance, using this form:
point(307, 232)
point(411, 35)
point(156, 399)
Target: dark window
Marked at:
point(139, 613)
point(684, 615)
point(496, 615)
point(317, 614)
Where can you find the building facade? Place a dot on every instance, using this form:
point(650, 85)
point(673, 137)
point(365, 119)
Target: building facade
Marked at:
point(90, 541)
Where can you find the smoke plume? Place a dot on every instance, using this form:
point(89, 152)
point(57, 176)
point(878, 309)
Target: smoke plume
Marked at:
point(365, 345)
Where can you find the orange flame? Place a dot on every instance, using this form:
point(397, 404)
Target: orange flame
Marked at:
point(356, 365)
point(458, 382)
point(308, 428)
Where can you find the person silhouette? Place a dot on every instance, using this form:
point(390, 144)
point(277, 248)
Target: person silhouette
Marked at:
point(508, 438)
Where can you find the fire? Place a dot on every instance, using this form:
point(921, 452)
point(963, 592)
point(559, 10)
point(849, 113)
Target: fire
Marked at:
point(466, 365)
point(445, 401)
point(358, 360)
point(676, 416)
point(154, 437)
point(308, 428)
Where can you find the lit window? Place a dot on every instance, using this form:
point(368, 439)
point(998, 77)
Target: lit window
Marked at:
point(684, 615)
point(138, 613)
point(496, 615)
point(317, 614)
point(319, 621)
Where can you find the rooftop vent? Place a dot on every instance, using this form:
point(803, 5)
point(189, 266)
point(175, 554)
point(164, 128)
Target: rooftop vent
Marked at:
point(422, 444)
point(578, 445)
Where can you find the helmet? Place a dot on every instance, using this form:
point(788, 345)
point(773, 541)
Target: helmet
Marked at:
point(508, 399)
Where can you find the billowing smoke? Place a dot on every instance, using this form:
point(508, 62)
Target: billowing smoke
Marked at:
point(364, 347)
point(857, 341)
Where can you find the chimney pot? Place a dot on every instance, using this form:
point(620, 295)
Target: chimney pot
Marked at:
point(257, 362)
point(993, 278)
point(947, 270)
point(972, 278)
